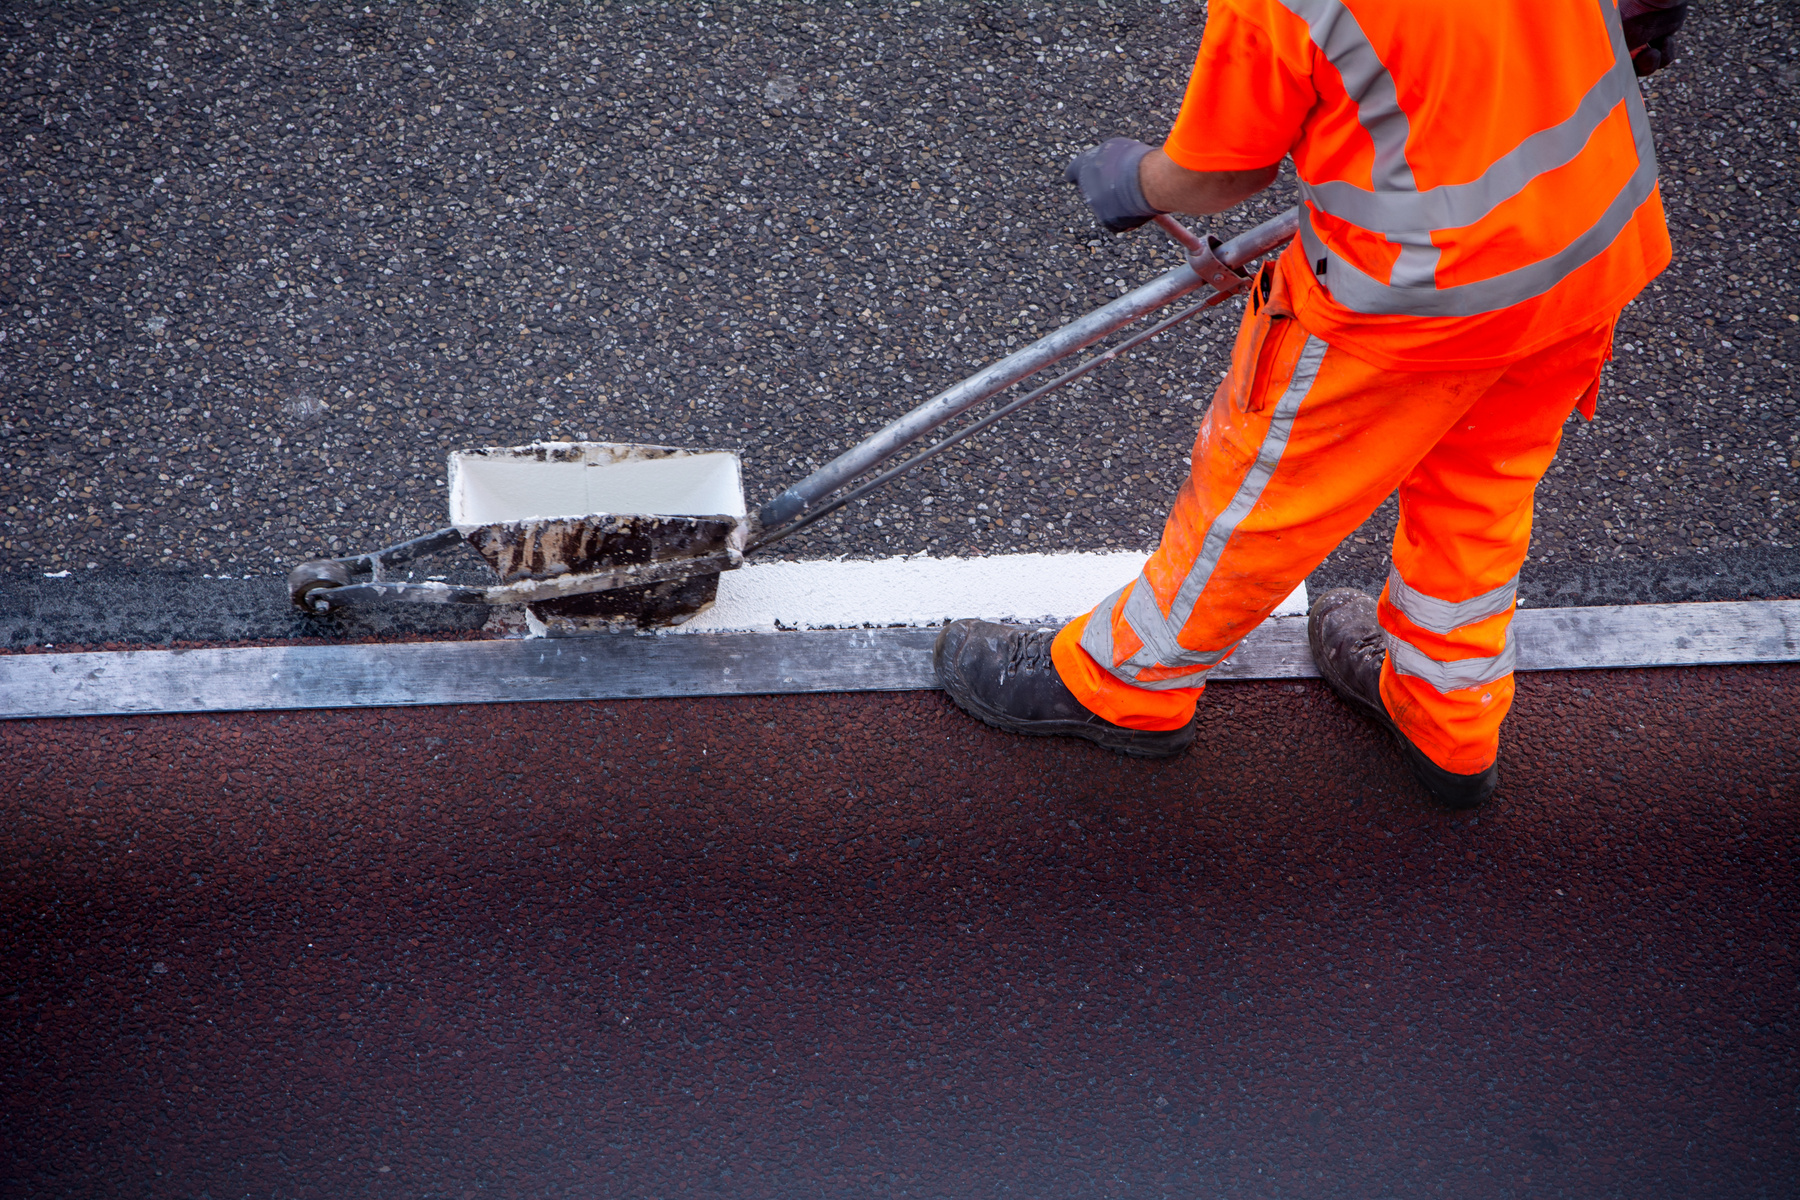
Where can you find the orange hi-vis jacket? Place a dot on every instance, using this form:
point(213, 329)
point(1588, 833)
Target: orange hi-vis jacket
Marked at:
point(1477, 179)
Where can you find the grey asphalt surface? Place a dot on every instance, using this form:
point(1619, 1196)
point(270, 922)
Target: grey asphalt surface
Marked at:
point(260, 271)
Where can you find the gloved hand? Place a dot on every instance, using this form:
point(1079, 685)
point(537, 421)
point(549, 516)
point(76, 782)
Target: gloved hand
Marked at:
point(1650, 27)
point(1108, 178)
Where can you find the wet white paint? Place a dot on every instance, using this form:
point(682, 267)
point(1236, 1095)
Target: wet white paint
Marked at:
point(495, 488)
point(922, 591)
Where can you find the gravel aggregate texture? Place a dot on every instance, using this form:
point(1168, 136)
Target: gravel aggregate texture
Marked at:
point(863, 946)
point(262, 266)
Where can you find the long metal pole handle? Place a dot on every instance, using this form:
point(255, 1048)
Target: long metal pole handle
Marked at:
point(1077, 335)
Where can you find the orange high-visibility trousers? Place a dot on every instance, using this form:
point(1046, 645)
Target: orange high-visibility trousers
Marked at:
point(1302, 442)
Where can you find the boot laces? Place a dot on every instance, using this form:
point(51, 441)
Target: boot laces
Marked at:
point(1030, 651)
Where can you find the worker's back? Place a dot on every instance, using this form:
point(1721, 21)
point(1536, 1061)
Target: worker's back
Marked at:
point(1478, 178)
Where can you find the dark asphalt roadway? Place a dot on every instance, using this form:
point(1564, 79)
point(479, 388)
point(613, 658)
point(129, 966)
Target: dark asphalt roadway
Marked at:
point(260, 269)
point(862, 946)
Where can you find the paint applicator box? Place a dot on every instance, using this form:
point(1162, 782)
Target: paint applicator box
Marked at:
point(571, 509)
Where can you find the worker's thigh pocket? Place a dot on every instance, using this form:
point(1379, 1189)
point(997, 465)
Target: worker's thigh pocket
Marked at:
point(1589, 400)
point(1267, 346)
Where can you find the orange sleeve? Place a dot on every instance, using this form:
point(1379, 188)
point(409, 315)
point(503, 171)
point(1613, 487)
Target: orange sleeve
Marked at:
point(1250, 92)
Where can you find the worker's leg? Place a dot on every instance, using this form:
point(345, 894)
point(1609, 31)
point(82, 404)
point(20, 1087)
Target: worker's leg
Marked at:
point(1465, 525)
point(1301, 443)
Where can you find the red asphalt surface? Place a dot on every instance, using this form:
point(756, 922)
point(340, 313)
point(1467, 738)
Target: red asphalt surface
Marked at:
point(862, 946)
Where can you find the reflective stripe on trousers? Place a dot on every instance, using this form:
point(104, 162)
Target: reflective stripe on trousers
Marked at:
point(1447, 617)
point(1158, 630)
point(1301, 443)
point(1394, 206)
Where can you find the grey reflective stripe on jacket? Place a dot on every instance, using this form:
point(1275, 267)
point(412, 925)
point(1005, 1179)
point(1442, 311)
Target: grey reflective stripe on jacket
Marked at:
point(1445, 617)
point(1160, 632)
point(1394, 205)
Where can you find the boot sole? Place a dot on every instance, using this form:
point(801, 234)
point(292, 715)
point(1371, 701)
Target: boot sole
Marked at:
point(1132, 743)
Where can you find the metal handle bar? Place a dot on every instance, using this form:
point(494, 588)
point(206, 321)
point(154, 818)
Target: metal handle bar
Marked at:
point(770, 537)
point(1077, 335)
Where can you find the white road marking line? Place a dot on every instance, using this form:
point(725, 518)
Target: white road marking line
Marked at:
point(922, 591)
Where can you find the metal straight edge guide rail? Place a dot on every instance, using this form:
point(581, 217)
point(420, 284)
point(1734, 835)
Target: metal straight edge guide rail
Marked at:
point(646, 666)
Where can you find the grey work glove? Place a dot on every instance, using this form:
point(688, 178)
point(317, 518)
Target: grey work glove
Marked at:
point(1108, 178)
point(1650, 28)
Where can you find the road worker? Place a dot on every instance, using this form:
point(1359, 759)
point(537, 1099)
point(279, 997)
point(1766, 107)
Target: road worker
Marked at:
point(1478, 203)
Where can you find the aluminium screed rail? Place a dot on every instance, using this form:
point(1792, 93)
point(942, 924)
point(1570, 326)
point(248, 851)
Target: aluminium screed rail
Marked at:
point(1210, 262)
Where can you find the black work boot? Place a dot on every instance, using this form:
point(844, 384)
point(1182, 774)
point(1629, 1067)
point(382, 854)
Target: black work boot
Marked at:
point(1347, 646)
point(1003, 675)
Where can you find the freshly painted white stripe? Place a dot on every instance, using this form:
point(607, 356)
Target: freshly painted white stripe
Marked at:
point(850, 594)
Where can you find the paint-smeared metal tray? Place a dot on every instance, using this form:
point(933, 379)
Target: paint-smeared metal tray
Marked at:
point(582, 531)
